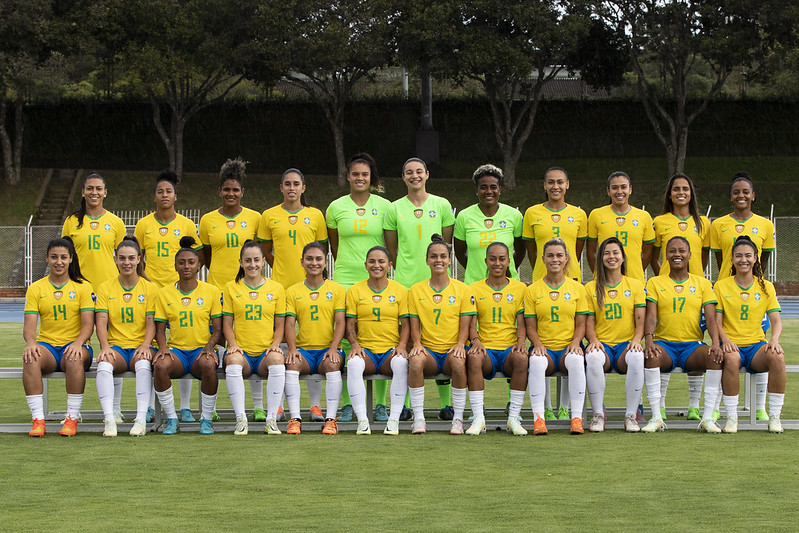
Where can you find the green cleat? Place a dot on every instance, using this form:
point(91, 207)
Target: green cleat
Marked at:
point(694, 414)
point(214, 417)
point(563, 413)
point(549, 414)
point(761, 414)
point(716, 414)
point(663, 413)
point(258, 415)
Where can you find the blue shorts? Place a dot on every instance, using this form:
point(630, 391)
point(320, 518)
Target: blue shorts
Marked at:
point(556, 355)
point(314, 357)
point(254, 362)
point(747, 353)
point(679, 351)
point(498, 358)
point(58, 353)
point(440, 359)
point(378, 358)
point(187, 357)
point(127, 353)
point(614, 352)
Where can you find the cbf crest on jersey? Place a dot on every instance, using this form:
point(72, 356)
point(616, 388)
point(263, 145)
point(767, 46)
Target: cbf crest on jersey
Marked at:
point(432, 214)
point(231, 224)
point(678, 289)
point(162, 231)
point(253, 295)
point(361, 211)
point(293, 219)
point(376, 298)
point(94, 225)
point(620, 221)
point(392, 299)
point(613, 293)
point(314, 296)
point(127, 297)
point(497, 297)
point(488, 223)
point(739, 228)
point(683, 226)
point(185, 301)
point(744, 296)
point(437, 298)
point(554, 295)
point(58, 294)
point(555, 218)
point(418, 213)
point(329, 295)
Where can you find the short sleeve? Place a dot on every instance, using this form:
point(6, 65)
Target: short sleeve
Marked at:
point(582, 303)
point(582, 232)
point(403, 304)
point(321, 228)
point(352, 303)
point(160, 309)
point(649, 231)
point(593, 231)
point(518, 223)
point(705, 231)
point(715, 237)
point(527, 225)
point(264, 231)
point(447, 217)
point(204, 239)
point(460, 227)
point(101, 306)
point(390, 218)
point(467, 302)
point(120, 229)
point(651, 292)
point(32, 300)
point(227, 301)
point(769, 244)
point(216, 303)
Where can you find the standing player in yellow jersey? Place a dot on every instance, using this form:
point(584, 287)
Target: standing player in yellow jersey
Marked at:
point(441, 310)
point(632, 226)
point(317, 306)
point(681, 217)
point(159, 234)
point(378, 331)
point(62, 303)
point(193, 310)
point(555, 308)
point(254, 310)
point(500, 345)
point(283, 231)
point(673, 337)
point(549, 220)
point(744, 298)
point(614, 329)
point(126, 331)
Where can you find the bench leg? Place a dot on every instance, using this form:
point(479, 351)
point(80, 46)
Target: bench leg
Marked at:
point(369, 397)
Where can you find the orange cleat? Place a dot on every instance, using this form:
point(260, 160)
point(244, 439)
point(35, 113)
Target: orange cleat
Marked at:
point(295, 427)
point(38, 428)
point(70, 427)
point(330, 427)
point(316, 414)
point(577, 426)
point(539, 426)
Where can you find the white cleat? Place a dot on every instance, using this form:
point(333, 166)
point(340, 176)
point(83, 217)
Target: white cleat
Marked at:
point(110, 429)
point(514, 426)
point(457, 427)
point(139, 428)
point(477, 427)
point(419, 427)
point(631, 424)
point(731, 426)
point(597, 424)
point(118, 416)
point(774, 424)
point(392, 427)
point(363, 428)
point(654, 426)
point(270, 428)
point(708, 425)
point(242, 428)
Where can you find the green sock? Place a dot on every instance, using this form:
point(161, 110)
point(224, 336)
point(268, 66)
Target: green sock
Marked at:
point(380, 388)
point(508, 387)
point(444, 391)
point(408, 401)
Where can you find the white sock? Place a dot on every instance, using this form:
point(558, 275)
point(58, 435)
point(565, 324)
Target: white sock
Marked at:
point(775, 401)
point(694, 390)
point(167, 401)
point(356, 387)
point(536, 384)
point(652, 379)
point(152, 397)
point(548, 394)
point(332, 393)
point(117, 394)
point(718, 402)
point(575, 364)
point(315, 391)
point(634, 380)
point(36, 405)
point(257, 391)
point(144, 384)
point(459, 403)
point(516, 401)
point(664, 386)
point(274, 389)
point(476, 401)
point(235, 389)
point(595, 379)
point(293, 392)
point(208, 404)
point(417, 402)
point(399, 386)
point(564, 393)
point(185, 385)
point(105, 388)
point(74, 401)
point(761, 382)
point(712, 389)
point(731, 406)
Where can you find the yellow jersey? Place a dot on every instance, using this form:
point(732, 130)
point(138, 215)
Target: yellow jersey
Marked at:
point(315, 310)
point(724, 231)
point(225, 236)
point(542, 224)
point(59, 309)
point(378, 314)
point(127, 310)
point(669, 225)
point(555, 309)
point(440, 312)
point(680, 304)
point(95, 242)
point(189, 314)
point(160, 242)
point(254, 310)
point(633, 229)
point(498, 312)
point(743, 309)
point(615, 321)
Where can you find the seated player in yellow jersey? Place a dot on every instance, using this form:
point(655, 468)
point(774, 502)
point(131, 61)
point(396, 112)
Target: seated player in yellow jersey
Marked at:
point(744, 298)
point(193, 311)
point(315, 323)
point(126, 331)
point(62, 304)
point(441, 310)
point(378, 331)
point(675, 303)
point(253, 315)
point(500, 345)
point(555, 308)
point(614, 330)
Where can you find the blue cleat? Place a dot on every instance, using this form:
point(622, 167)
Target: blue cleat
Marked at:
point(206, 427)
point(150, 415)
point(172, 427)
point(381, 415)
point(447, 413)
point(346, 414)
point(406, 414)
point(186, 416)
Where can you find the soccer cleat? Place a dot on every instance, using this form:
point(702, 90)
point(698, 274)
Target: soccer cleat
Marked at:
point(139, 428)
point(363, 428)
point(653, 426)
point(774, 424)
point(708, 426)
point(549, 414)
point(206, 426)
point(242, 428)
point(70, 427)
point(761, 414)
point(716, 414)
point(406, 414)
point(330, 427)
point(150, 415)
point(315, 414)
point(631, 424)
point(270, 428)
point(694, 414)
point(446, 413)
point(539, 426)
point(597, 424)
point(171, 427)
point(281, 415)
point(731, 426)
point(381, 414)
point(663, 413)
point(477, 427)
point(457, 427)
point(346, 413)
point(214, 416)
point(577, 426)
point(419, 427)
point(563, 413)
point(186, 416)
point(639, 414)
point(118, 416)
point(110, 428)
point(295, 427)
point(392, 428)
point(258, 415)
point(39, 428)
point(514, 427)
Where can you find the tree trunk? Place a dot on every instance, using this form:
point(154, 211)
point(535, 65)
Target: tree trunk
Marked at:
point(159, 126)
point(509, 166)
point(8, 165)
point(19, 132)
point(176, 154)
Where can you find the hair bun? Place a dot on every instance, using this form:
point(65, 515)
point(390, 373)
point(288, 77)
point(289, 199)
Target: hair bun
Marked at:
point(187, 242)
point(435, 237)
